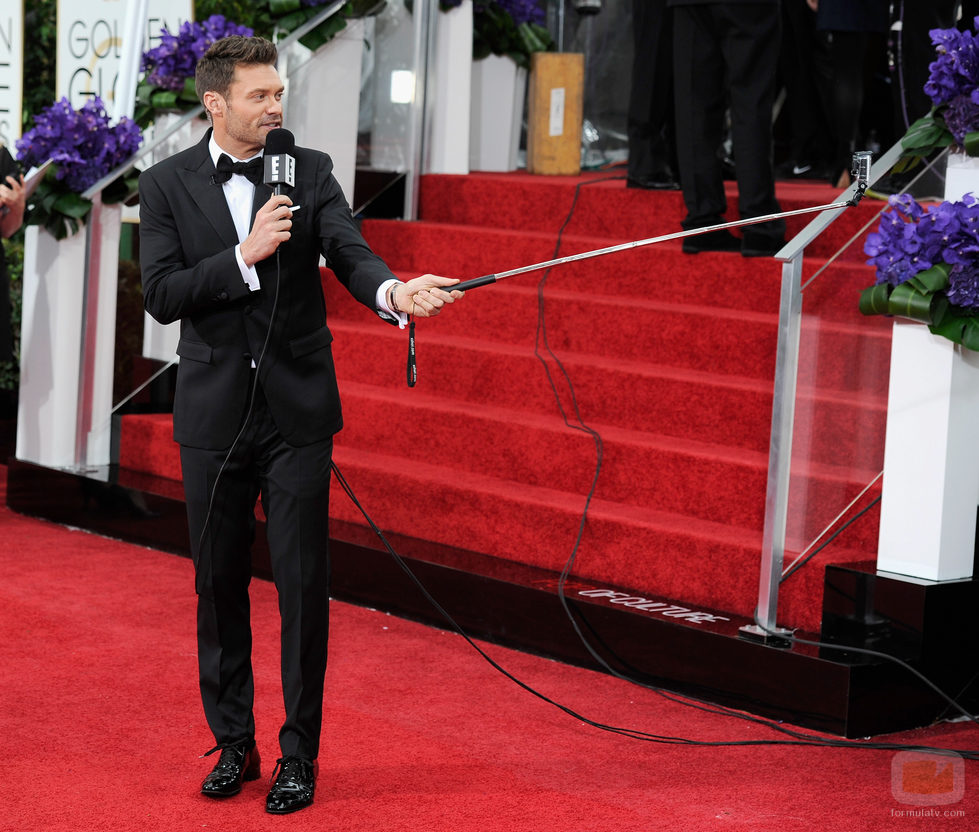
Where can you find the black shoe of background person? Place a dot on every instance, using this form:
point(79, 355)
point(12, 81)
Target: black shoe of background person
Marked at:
point(293, 788)
point(238, 762)
point(758, 245)
point(662, 180)
point(802, 170)
point(721, 240)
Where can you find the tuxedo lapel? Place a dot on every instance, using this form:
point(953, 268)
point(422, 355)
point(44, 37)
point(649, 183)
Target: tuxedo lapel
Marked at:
point(209, 198)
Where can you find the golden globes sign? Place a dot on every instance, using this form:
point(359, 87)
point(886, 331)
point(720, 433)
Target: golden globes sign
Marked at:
point(11, 70)
point(90, 43)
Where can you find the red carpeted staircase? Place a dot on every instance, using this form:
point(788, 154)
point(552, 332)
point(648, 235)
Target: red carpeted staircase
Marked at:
point(671, 357)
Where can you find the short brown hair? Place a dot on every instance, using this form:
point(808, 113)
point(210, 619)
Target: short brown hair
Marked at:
point(216, 69)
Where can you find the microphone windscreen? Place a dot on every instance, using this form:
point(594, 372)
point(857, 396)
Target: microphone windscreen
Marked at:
point(279, 140)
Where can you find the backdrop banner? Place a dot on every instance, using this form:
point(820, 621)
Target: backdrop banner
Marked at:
point(90, 34)
point(11, 71)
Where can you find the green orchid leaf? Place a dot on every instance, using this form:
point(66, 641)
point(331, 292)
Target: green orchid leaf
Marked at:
point(970, 334)
point(46, 204)
point(72, 205)
point(533, 38)
point(951, 329)
point(123, 189)
point(324, 32)
point(290, 21)
point(941, 310)
point(971, 144)
point(189, 92)
point(906, 163)
point(923, 132)
point(907, 302)
point(283, 7)
point(873, 301)
point(164, 100)
point(934, 279)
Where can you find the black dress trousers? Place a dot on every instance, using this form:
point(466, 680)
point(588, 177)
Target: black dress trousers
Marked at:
point(726, 54)
point(294, 486)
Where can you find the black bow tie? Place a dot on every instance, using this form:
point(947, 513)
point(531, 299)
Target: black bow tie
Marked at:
point(253, 169)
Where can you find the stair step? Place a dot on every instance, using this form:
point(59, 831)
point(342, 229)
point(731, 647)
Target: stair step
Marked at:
point(519, 201)
point(689, 404)
point(656, 552)
point(724, 341)
point(672, 360)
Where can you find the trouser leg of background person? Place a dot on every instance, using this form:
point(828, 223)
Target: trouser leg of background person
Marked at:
point(721, 49)
point(749, 34)
point(808, 140)
point(700, 103)
point(652, 153)
point(848, 51)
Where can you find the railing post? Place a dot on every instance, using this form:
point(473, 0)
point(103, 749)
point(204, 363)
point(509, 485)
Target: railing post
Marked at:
point(424, 21)
point(780, 455)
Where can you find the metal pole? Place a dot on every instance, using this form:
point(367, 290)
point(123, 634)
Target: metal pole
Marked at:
point(693, 232)
point(765, 628)
point(421, 17)
point(134, 26)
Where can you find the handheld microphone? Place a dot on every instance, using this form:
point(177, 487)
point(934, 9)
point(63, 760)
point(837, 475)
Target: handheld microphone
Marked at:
point(280, 165)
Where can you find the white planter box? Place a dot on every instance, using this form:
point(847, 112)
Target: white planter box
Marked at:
point(451, 91)
point(961, 176)
point(499, 89)
point(931, 456)
point(65, 402)
point(322, 102)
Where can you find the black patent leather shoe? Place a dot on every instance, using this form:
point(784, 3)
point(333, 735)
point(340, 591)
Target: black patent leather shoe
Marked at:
point(293, 788)
point(238, 762)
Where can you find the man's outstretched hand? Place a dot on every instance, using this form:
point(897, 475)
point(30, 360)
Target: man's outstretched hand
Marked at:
point(425, 296)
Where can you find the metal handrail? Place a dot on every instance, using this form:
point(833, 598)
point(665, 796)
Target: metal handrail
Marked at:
point(817, 226)
point(187, 117)
point(787, 355)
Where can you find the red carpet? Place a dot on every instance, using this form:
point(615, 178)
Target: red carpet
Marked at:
point(672, 360)
point(102, 728)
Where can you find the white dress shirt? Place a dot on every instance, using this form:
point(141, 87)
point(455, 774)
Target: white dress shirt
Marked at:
point(239, 193)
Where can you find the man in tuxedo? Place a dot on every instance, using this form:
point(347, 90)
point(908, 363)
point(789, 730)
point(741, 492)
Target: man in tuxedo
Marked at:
point(256, 402)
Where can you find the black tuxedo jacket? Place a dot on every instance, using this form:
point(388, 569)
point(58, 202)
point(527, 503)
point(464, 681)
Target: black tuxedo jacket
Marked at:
point(190, 274)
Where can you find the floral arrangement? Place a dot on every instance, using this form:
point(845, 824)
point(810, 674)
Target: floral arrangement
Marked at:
point(953, 87)
point(927, 265)
point(288, 15)
point(168, 83)
point(510, 27)
point(514, 28)
point(268, 17)
point(83, 147)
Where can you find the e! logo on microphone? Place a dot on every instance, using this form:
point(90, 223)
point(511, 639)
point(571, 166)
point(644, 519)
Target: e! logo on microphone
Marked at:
point(921, 778)
point(280, 169)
